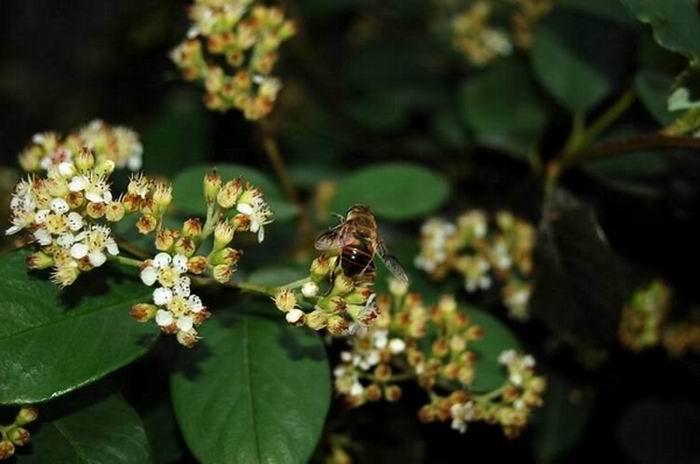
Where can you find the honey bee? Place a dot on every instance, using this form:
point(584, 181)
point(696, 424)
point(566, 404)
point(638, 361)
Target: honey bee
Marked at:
point(357, 239)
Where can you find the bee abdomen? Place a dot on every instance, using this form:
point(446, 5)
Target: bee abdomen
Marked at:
point(356, 259)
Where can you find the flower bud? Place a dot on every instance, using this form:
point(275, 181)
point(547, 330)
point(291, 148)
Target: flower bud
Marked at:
point(146, 224)
point(192, 228)
point(75, 200)
point(18, 436)
point(397, 287)
point(392, 393)
point(320, 267)
point(143, 312)
point(7, 449)
point(163, 196)
point(285, 300)
point(373, 392)
point(212, 186)
point(338, 325)
point(26, 415)
point(114, 211)
point(317, 319)
point(84, 160)
point(104, 167)
point(185, 246)
point(223, 234)
point(187, 338)
point(228, 256)
point(309, 289)
point(39, 260)
point(131, 202)
point(295, 316)
point(95, 210)
point(222, 273)
point(342, 285)
point(197, 264)
point(229, 194)
point(165, 239)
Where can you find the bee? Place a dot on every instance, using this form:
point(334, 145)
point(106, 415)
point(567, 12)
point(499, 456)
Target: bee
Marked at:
point(357, 239)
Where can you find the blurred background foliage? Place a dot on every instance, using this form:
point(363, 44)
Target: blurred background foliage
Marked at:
point(378, 107)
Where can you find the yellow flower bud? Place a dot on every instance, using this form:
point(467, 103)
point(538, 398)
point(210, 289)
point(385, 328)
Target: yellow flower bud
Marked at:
point(229, 193)
point(212, 185)
point(114, 211)
point(26, 415)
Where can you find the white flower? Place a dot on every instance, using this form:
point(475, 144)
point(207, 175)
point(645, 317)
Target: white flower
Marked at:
point(185, 323)
point(461, 413)
point(309, 289)
point(396, 345)
point(164, 318)
point(166, 270)
point(162, 296)
point(59, 206)
point(507, 357)
point(258, 211)
point(294, 315)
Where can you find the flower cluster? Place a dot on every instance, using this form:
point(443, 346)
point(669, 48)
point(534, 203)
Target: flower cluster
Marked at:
point(483, 30)
point(119, 145)
point(61, 211)
point(149, 198)
point(232, 49)
point(15, 434)
point(341, 304)
point(683, 337)
point(481, 249)
point(644, 316)
point(231, 206)
point(433, 346)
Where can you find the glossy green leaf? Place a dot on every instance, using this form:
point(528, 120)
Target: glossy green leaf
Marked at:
point(279, 275)
point(163, 433)
point(188, 196)
point(103, 431)
point(559, 425)
point(54, 342)
point(488, 109)
point(490, 374)
point(394, 191)
point(654, 89)
point(660, 431)
point(255, 390)
point(603, 9)
point(576, 84)
point(676, 23)
point(579, 281)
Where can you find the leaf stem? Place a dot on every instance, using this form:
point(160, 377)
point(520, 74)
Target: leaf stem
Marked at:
point(491, 395)
point(126, 261)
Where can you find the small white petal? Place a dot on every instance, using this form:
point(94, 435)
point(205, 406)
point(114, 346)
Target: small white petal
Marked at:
point(149, 275)
point(164, 318)
point(78, 184)
point(162, 260)
point(194, 303)
point(41, 215)
point(107, 196)
point(65, 240)
point(180, 263)
point(135, 163)
point(293, 316)
point(396, 345)
point(94, 197)
point(356, 389)
point(244, 208)
point(75, 221)
point(79, 251)
point(112, 247)
point(13, 230)
point(185, 323)
point(66, 169)
point(59, 205)
point(43, 237)
point(261, 234)
point(309, 289)
point(162, 296)
point(97, 258)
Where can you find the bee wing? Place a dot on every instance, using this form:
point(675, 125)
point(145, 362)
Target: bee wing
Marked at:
point(391, 262)
point(332, 240)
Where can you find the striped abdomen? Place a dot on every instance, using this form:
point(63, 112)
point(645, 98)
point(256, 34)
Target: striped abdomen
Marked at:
point(356, 259)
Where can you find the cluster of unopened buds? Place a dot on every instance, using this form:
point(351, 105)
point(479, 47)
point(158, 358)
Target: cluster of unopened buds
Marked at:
point(232, 206)
point(645, 323)
point(67, 212)
point(476, 31)
point(482, 249)
point(119, 145)
point(15, 434)
point(232, 48)
point(328, 299)
point(644, 316)
point(432, 346)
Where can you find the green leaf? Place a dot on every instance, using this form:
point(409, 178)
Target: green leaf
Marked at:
point(104, 431)
point(686, 90)
point(578, 284)
point(490, 374)
point(188, 196)
point(178, 136)
point(395, 191)
point(576, 84)
point(660, 431)
point(635, 173)
point(558, 426)
point(676, 23)
point(163, 433)
point(604, 9)
point(54, 342)
point(255, 390)
point(488, 109)
point(277, 275)
point(654, 89)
